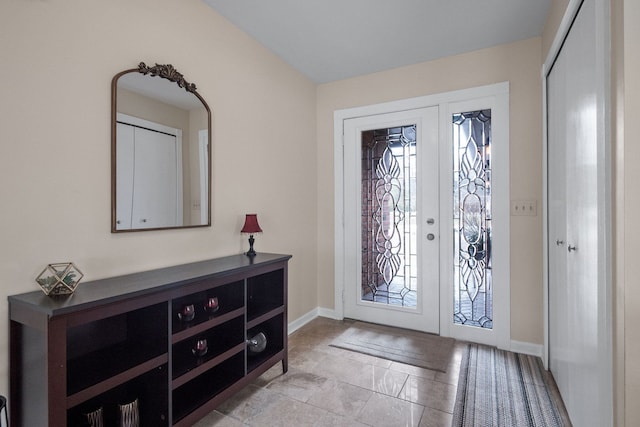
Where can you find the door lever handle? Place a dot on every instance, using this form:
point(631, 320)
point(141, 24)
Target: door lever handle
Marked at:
point(559, 242)
point(571, 248)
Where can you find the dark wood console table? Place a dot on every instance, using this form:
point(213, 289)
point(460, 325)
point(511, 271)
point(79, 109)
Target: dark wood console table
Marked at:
point(119, 339)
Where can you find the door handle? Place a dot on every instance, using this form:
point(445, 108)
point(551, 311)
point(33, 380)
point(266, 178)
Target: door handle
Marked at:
point(571, 248)
point(431, 221)
point(430, 236)
point(559, 242)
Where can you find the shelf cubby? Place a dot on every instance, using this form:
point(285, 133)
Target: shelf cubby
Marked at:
point(230, 298)
point(265, 292)
point(206, 386)
point(219, 340)
point(100, 350)
point(274, 332)
point(151, 390)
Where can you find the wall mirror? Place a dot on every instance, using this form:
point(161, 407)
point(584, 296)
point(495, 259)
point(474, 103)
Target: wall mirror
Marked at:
point(160, 151)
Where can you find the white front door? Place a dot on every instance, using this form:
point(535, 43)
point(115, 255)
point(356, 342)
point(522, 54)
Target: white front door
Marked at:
point(423, 241)
point(391, 219)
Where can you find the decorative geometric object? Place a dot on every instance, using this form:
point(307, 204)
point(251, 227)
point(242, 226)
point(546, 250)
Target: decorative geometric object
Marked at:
point(59, 279)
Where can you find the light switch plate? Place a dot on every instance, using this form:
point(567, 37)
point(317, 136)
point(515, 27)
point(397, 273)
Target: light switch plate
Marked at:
point(524, 208)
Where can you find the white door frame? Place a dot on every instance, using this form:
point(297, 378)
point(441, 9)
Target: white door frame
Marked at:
point(604, 185)
point(501, 187)
point(500, 334)
point(203, 156)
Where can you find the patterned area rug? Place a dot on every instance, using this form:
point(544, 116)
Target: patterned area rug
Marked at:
point(400, 345)
point(500, 388)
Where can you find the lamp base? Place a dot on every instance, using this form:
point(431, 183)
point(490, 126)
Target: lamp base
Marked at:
point(251, 252)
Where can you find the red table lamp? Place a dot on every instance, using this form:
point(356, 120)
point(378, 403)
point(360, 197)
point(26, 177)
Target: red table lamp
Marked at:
point(250, 227)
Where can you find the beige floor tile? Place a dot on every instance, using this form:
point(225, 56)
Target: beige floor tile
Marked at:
point(434, 418)
point(249, 402)
point(385, 411)
point(331, 366)
point(287, 412)
point(429, 393)
point(274, 372)
point(363, 375)
point(360, 357)
point(334, 420)
point(305, 359)
point(298, 385)
point(380, 380)
point(450, 377)
point(340, 398)
point(416, 371)
point(216, 419)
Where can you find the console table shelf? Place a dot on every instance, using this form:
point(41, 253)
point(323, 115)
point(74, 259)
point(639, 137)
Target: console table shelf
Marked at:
point(148, 336)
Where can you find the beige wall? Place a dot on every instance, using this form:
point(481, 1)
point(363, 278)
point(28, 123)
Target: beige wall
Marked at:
point(554, 17)
point(627, 255)
point(58, 59)
point(519, 63)
point(143, 107)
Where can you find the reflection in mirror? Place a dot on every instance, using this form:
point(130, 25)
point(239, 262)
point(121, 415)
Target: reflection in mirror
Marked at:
point(160, 151)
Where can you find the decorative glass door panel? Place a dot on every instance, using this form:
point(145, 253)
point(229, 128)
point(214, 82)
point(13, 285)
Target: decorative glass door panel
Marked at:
point(473, 293)
point(389, 228)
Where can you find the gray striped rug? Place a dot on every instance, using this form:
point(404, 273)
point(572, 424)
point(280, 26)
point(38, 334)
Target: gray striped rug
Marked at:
point(500, 388)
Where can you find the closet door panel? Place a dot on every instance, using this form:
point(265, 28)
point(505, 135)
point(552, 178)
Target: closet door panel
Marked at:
point(155, 184)
point(124, 183)
point(557, 192)
point(573, 219)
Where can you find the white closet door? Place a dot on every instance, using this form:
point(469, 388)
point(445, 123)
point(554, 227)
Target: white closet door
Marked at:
point(124, 172)
point(575, 328)
point(155, 184)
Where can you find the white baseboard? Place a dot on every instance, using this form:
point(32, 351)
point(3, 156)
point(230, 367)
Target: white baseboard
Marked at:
point(329, 313)
point(308, 317)
point(302, 320)
point(527, 348)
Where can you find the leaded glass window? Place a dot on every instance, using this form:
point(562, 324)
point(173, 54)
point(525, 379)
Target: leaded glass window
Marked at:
point(473, 302)
point(389, 238)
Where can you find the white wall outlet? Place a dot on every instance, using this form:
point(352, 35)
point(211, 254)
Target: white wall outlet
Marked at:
point(524, 208)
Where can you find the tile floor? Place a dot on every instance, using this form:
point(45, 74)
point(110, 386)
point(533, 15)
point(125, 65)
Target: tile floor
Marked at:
point(327, 386)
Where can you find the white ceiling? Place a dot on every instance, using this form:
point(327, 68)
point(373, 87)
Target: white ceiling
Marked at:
point(329, 40)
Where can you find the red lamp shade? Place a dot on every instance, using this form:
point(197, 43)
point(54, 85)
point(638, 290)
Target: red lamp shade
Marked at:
point(251, 224)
